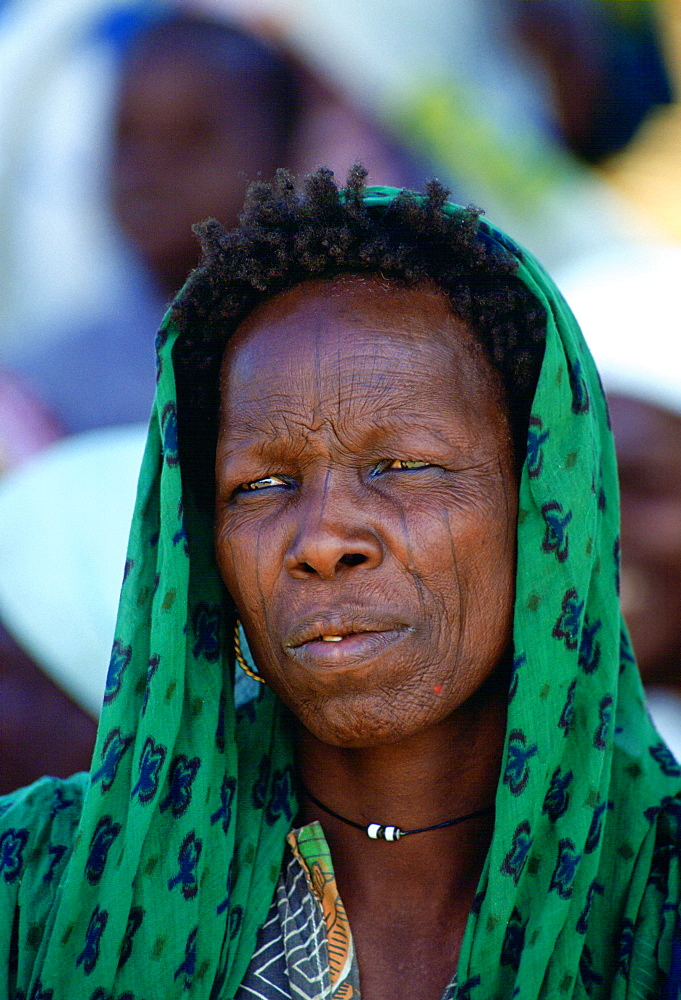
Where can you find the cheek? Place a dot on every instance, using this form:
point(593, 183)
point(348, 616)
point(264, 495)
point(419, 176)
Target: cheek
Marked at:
point(249, 555)
point(469, 561)
point(237, 558)
point(498, 560)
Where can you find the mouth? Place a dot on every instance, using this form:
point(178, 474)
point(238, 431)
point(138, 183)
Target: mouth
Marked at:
point(338, 641)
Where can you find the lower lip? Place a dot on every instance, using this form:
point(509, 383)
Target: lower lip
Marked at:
point(357, 648)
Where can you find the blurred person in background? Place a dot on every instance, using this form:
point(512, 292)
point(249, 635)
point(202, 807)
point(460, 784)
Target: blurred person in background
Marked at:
point(202, 109)
point(602, 66)
point(627, 305)
point(458, 85)
point(614, 72)
point(646, 173)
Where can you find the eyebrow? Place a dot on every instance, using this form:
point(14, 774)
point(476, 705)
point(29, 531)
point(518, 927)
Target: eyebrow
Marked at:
point(260, 440)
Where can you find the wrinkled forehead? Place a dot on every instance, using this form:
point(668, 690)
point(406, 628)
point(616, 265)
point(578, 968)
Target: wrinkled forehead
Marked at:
point(367, 331)
point(359, 360)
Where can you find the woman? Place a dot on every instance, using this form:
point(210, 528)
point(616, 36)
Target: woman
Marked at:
point(415, 517)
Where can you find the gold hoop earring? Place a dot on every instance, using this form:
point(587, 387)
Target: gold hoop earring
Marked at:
point(240, 656)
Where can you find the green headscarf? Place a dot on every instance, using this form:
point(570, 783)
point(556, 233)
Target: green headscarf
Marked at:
point(150, 878)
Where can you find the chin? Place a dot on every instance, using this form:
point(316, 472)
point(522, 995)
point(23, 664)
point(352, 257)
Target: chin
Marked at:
point(360, 723)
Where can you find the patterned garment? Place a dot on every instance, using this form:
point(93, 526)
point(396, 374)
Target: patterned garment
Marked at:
point(305, 949)
point(152, 877)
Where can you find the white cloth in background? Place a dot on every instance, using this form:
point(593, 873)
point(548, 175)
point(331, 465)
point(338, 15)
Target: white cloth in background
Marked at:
point(627, 303)
point(61, 261)
point(64, 522)
point(99, 372)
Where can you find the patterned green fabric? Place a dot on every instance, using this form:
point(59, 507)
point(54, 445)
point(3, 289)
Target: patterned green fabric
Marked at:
point(151, 879)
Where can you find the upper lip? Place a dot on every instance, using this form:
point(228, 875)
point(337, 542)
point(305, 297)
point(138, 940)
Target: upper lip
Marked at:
point(338, 623)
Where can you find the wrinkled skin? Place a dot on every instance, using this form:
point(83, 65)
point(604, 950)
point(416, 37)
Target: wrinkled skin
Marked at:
point(648, 442)
point(366, 486)
point(366, 493)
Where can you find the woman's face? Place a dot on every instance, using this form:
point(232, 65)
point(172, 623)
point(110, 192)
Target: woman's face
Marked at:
point(188, 136)
point(366, 506)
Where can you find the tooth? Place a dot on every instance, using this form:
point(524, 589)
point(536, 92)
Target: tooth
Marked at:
point(331, 638)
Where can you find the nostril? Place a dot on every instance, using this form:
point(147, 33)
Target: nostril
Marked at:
point(352, 559)
point(329, 555)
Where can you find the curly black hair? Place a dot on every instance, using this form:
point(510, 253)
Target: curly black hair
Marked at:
point(285, 238)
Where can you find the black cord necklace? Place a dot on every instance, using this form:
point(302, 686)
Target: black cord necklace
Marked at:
point(376, 831)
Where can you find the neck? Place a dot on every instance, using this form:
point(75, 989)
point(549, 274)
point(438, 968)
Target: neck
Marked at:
point(428, 879)
point(449, 770)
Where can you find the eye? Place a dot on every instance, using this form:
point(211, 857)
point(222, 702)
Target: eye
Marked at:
point(267, 482)
point(399, 465)
point(403, 463)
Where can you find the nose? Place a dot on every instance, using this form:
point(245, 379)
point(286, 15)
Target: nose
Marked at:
point(332, 538)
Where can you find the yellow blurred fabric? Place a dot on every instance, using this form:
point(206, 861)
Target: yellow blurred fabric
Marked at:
point(647, 174)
